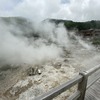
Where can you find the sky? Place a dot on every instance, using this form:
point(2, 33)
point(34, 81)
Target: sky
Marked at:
point(76, 10)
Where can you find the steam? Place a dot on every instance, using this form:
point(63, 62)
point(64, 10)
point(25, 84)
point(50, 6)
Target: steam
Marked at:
point(22, 41)
point(38, 44)
point(84, 44)
point(55, 33)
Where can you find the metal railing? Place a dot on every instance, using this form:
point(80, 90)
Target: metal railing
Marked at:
point(81, 80)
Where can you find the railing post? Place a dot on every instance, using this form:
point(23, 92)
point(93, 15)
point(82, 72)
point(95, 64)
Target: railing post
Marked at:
point(82, 85)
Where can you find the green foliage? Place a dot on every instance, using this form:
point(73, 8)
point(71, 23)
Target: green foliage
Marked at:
point(79, 25)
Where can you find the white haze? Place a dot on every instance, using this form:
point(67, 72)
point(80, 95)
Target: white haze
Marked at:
point(18, 46)
point(22, 49)
point(53, 32)
point(82, 42)
point(15, 44)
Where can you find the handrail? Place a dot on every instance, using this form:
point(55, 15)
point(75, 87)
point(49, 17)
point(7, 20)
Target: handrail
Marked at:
point(89, 85)
point(58, 90)
point(92, 70)
point(81, 79)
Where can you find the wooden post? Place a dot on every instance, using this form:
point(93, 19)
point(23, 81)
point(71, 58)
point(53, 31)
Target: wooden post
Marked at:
point(82, 85)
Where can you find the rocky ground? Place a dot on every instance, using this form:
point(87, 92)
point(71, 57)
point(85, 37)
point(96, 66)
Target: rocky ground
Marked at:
point(35, 80)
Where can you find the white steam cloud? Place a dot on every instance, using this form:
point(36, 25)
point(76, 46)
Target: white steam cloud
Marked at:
point(18, 46)
point(33, 43)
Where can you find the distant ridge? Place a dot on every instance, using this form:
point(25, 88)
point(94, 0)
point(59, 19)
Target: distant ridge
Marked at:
point(69, 24)
point(93, 24)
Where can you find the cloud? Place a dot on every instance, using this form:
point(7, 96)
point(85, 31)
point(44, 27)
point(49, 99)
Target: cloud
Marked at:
point(8, 5)
point(77, 10)
point(83, 10)
point(65, 1)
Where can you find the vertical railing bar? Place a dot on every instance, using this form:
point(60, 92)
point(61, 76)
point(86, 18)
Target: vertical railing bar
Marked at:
point(82, 85)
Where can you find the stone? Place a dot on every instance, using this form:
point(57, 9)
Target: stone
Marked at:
point(39, 71)
point(34, 71)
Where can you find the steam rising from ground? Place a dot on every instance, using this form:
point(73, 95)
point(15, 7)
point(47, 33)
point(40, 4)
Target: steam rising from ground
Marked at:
point(33, 43)
point(30, 45)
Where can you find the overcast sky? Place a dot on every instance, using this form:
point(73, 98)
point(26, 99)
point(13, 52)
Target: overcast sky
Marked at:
point(76, 10)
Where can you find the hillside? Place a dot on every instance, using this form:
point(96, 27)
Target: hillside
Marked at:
point(69, 24)
point(78, 25)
